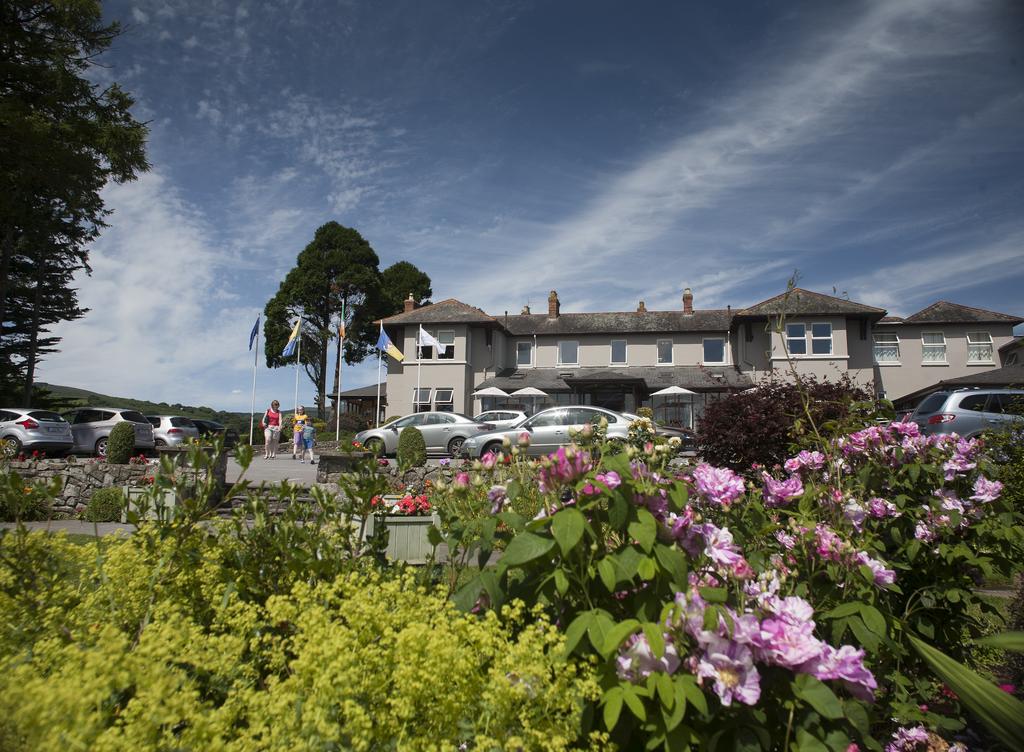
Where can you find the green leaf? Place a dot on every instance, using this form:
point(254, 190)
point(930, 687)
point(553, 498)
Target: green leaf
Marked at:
point(634, 703)
point(600, 624)
point(864, 636)
point(466, 596)
point(666, 692)
point(434, 536)
point(576, 629)
point(644, 529)
point(618, 512)
point(674, 718)
point(693, 693)
point(513, 520)
point(626, 562)
point(606, 569)
point(808, 743)
point(646, 569)
point(818, 696)
point(655, 638)
point(612, 707)
point(526, 547)
point(1012, 641)
point(616, 635)
point(567, 526)
point(561, 582)
point(843, 609)
point(673, 561)
point(873, 619)
point(713, 594)
point(1002, 714)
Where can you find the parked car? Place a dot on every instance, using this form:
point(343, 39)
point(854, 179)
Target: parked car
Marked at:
point(172, 430)
point(968, 412)
point(687, 436)
point(442, 432)
point(501, 418)
point(91, 427)
point(211, 429)
point(548, 430)
point(28, 430)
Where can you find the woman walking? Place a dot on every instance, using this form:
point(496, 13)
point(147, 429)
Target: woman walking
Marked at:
point(299, 421)
point(271, 425)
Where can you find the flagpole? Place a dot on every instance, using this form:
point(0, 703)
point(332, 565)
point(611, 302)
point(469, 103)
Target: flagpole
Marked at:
point(380, 357)
point(337, 404)
point(419, 367)
point(252, 402)
point(298, 358)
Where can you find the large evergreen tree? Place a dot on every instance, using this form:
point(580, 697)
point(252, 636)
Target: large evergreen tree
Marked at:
point(62, 137)
point(337, 270)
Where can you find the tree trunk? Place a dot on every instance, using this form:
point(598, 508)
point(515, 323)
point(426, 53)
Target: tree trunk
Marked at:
point(30, 364)
point(322, 381)
point(6, 254)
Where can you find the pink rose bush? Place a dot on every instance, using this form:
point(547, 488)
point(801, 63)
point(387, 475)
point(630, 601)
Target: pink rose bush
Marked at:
point(716, 604)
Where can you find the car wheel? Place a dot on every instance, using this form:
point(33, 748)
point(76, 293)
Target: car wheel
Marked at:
point(455, 446)
point(101, 447)
point(375, 447)
point(495, 447)
point(11, 447)
point(161, 443)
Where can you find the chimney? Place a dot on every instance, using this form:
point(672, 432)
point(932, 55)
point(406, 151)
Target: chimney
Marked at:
point(641, 308)
point(553, 305)
point(410, 304)
point(525, 311)
point(687, 302)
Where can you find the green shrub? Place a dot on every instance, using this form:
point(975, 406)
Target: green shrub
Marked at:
point(121, 444)
point(105, 505)
point(412, 449)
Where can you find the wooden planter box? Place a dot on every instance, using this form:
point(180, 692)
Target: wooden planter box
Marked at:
point(159, 509)
point(407, 537)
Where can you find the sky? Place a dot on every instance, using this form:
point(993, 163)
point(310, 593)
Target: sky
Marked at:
point(611, 151)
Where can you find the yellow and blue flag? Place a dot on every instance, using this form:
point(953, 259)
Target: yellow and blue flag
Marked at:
point(292, 340)
point(385, 345)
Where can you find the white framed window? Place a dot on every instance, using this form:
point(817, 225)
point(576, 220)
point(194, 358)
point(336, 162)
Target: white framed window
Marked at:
point(887, 347)
point(664, 352)
point(979, 347)
point(714, 350)
point(933, 347)
point(446, 337)
point(796, 339)
point(444, 400)
point(618, 356)
point(821, 338)
point(420, 400)
point(1011, 359)
point(568, 352)
point(524, 354)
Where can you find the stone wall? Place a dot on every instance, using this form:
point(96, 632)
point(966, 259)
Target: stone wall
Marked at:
point(331, 465)
point(81, 476)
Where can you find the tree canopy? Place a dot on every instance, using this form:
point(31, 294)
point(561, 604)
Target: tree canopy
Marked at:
point(337, 270)
point(62, 138)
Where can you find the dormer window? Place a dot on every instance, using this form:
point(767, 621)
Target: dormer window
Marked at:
point(524, 354)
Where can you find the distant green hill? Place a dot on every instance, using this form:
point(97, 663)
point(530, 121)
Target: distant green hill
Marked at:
point(74, 397)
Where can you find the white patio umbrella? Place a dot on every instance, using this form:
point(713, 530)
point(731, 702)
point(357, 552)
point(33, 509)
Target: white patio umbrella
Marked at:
point(529, 391)
point(491, 391)
point(675, 391)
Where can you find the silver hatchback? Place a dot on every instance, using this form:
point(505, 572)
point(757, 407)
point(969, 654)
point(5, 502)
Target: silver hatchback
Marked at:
point(968, 412)
point(91, 427)
point(28, 430)
point(550, 429)
point(172, 430)
point(442, 432)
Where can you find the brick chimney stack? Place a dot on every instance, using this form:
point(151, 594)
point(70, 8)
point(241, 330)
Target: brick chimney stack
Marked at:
point(525, 311)
point(687, 302)
point(553, 305)
point(410, 304)
point(641, 308)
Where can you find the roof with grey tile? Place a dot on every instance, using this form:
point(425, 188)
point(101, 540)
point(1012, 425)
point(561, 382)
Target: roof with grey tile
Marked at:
point(365, 391)
point(801, 302)
point(1013, 343)
point(450, 311)
point(632, 322)
point(652, 378)
point(944, 312)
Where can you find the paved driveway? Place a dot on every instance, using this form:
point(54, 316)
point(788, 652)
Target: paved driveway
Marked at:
point(283, 467)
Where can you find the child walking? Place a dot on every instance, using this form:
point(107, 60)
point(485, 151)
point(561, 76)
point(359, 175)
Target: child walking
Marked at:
point(308, 441)
point(299, 421)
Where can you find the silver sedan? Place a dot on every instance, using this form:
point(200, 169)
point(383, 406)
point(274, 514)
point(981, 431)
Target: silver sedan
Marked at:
point(548, 430)
point(443, 433)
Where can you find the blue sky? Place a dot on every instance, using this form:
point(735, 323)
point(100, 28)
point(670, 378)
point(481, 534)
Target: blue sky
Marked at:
point(612, 151)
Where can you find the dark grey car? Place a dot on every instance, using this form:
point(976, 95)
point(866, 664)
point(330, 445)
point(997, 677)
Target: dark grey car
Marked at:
point(549, 429)
point(28, 430)
point(968, 412)
point(442, 432)
point(91, 427)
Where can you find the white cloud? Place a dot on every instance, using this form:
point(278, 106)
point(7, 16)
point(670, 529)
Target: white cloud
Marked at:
point(140, 15)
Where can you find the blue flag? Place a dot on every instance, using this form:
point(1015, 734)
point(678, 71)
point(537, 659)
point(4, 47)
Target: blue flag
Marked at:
point(255, 331)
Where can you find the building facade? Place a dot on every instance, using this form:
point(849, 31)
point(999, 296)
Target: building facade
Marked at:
point(619, 360)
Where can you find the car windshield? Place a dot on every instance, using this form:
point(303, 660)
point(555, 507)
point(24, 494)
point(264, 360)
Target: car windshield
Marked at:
point(155, 422)
point(133, 416)
point(46, 417)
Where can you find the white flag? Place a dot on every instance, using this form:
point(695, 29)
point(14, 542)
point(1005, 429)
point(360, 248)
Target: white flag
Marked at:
point(426, 340)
